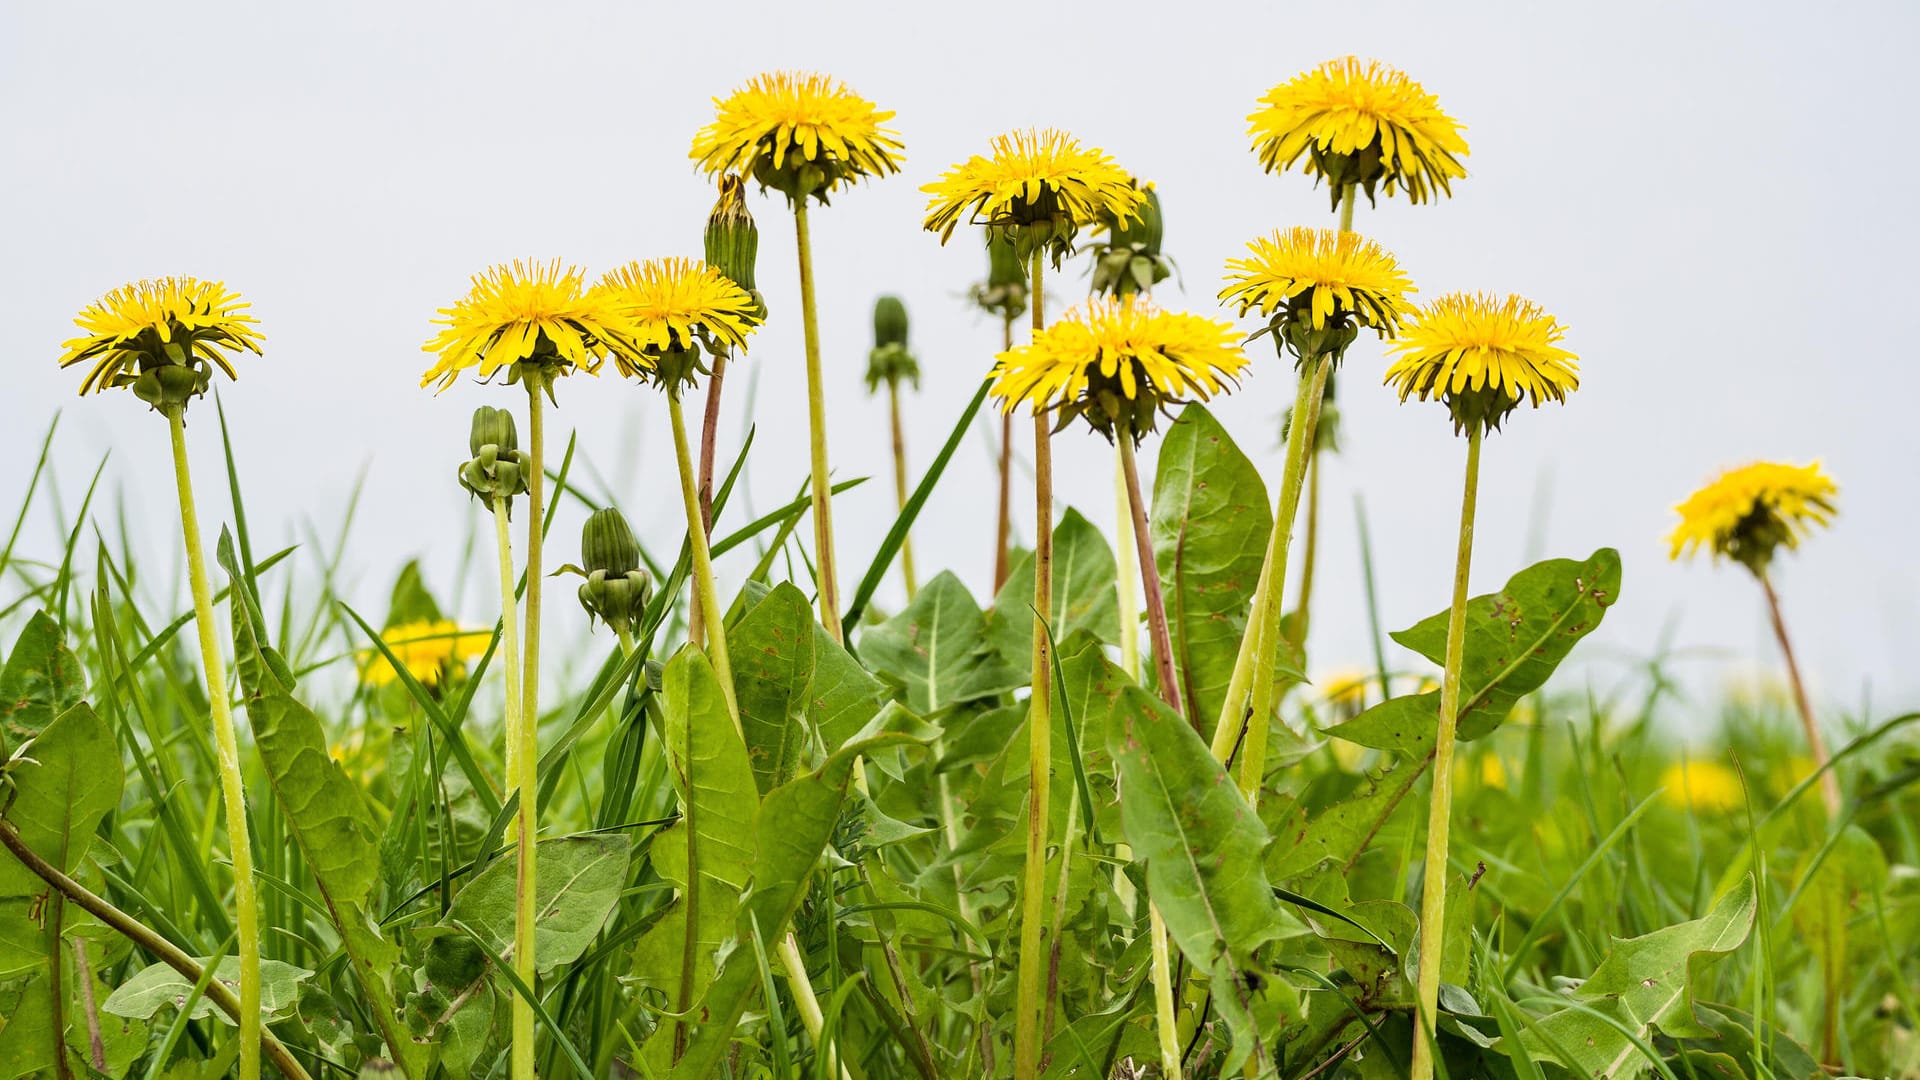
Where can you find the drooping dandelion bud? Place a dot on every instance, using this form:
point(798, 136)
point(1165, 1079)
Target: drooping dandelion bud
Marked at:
point(617, 586)
point(733, 240)
point(161, 339)
point(890, 361)
point(1038, 189)
point(676, 308)
point(1128, 262)
point(498, 467)
point(1317, 288)
point(803, 135)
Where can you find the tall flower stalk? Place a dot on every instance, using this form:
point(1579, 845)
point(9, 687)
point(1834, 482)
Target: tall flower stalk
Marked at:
point(732, 243)
point(1481, 356)
point(889, 364)
point(1317, 290)
point(537, 322)
point(162, 340)
point(1037, 189)
point(1004, 295)
point(804, 136)
point(1748, 514)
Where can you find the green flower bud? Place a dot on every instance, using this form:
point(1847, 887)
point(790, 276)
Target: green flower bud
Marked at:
point(889, 322)
point(1129, 262)
point(607, 543)
point(1004, 293)
point(890, 361)
point(617, 588)
point(732, 239)
point(498, 468)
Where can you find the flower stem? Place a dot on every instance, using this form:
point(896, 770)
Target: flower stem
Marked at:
point(811, 1017)
point(706, 598)
point(817, 428)
point(900, 480)
point(1161, 639)
point(1308, 550)
point(1004, 529)
point(147, 940)
point(1433, 890)
point(1266, 619)
point(1816, 744)
point(519, 781)
point(1028, 1007)
point(226, 742)
point(1166, 1022)
point(709, 435)
point(1128, 572)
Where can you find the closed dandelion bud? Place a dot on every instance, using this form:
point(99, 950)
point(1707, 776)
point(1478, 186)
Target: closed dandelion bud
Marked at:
point(891, 360)
point(617, 588)
point(732, 239)
point(1129, 261)
point(498, 468)
point(889, 322)
point(1004, 293)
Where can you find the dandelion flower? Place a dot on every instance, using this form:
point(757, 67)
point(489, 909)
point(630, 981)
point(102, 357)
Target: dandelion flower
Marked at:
point(671, 308)
point(799, 133)
point(429, 649)
point(1039, 186)
point(1483, 355)
point(521, 312)
point(1318, 287)
point(159, 337)
point(1359, 123)
point(1745, 513)
point(1702, 785)
point(1118, 363)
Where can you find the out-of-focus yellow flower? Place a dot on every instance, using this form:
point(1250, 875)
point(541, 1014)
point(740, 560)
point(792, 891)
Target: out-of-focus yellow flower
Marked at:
point(1746, 513)
point(1488, 768)
point(1318, 287)
point(1118, 363)
point(1345, 691)
point(1702, 785)
point(159, 338)
point(1360, 123)
point(526, 312)
point(1483, 355)
point(430, 650)
point(677, 306)
point(799, 133)
point(1038, 187)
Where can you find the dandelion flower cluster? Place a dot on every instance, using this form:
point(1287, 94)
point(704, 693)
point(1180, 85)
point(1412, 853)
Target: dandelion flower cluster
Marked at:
point(1318, 287)
point(1746, 513)
point(1483, 355)
point(429, 649)
point(159, 337)
point(1360, 123)
point(1039, 186)
point(526, 311)
point(801, 134)
point(1702, 785)
point(670, 307)
point(1118, 363)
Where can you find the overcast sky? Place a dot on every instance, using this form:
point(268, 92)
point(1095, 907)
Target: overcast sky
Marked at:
point(1714, 198)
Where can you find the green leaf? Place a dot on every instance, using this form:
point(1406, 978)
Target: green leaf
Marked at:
point(26, 1028)
point(411, 602)
point(1514, 640)
point(1644, 983)
point(794, 681)
point(65, 782)
point(937, 651)
point(580, 880)
point(158, 987)
point(41, 680)
point(1084, 596)
point(1338, 833)
point(1210, 524)
point(1203, 846)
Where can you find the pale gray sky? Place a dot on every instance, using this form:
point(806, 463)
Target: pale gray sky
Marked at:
point(1710, 196)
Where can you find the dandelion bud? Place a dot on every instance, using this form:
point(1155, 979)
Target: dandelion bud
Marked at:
point(891, 360)
point(617, 588)
point(1004, 293)
point(1129, 262)
point(732, 239)
point(498, 468)
point(889, 322)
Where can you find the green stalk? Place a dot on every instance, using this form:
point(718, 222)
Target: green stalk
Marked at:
point(1816, 745)
point(1003, 530)
point(705, 596)
point(817, 428)
point(226, 742)
point(1266, 618)
point(1129, 572)
point(900, 481)
point(1433, 890)
point(521, 779)
point(1308, 550)
point(1028, 1006)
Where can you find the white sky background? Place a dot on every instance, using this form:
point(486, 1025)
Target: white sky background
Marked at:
point(1712, 197)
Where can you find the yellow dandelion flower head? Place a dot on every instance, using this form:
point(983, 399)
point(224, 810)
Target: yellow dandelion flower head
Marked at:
point(162, 338)
point(1746, 513)
point(1362, 123)
point(672, 307)
point(1482, 355)
point(1346, 691)
point(798, 133)
point(523, 312)
point(1702, 785)
point(1037, 186)
point(429, 649)
point(1489, 770)
point(1318, 287)
point(1118, 363)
